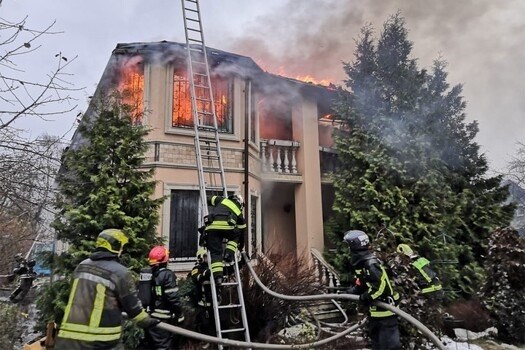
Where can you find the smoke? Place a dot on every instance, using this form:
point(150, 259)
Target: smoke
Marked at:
point(481, 39)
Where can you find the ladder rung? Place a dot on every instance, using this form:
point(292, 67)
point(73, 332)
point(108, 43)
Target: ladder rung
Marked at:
point(233, 330)
point(205, 113)
point(229, 306)
point(195, 40)
point(214, 188)
point(193, 19)
point(212, 170)
point(197, 49)
point(203, 99)
point(201, 74)
point(195, 30)
point(206, 127)
point(192, 10)
point(229, 284)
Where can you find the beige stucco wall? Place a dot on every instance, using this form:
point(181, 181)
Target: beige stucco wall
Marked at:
point(308, 201)
point(292, 212)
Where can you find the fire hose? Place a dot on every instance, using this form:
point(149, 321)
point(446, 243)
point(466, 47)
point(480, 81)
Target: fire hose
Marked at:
point(184, 332)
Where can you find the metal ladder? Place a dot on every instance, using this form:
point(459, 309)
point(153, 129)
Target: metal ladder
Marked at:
point(207, 148)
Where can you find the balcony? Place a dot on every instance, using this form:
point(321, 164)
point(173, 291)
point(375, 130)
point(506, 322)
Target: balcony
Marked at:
point(279, 159)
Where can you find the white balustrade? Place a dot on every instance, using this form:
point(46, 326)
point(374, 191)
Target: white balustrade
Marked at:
point(279, 156)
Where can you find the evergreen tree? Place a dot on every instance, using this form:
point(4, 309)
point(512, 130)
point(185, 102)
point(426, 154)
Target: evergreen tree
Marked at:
point(409, 161)
point(102, 184)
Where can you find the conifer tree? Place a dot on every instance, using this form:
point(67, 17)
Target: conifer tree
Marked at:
point(102, 184)
point(409, 160)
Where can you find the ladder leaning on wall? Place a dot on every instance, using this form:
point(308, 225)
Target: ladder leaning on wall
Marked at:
point(208, 153)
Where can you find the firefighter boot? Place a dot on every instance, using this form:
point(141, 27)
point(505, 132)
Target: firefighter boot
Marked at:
point(228, 256)
point(218, 289)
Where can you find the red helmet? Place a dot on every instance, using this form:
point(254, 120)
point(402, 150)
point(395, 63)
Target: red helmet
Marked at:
point(158, 255)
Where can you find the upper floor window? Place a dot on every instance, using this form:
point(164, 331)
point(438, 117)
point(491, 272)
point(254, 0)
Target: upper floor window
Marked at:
point(222, 95)
point(131, 86)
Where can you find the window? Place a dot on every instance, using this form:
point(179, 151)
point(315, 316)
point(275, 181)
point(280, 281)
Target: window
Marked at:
point(131, 86)
point(253, 224)
point(222, 92)
point(183, 224)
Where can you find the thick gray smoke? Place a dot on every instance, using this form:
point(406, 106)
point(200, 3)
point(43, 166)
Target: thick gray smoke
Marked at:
point(483, 41)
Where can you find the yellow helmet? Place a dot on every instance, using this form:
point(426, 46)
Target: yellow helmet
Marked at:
point(112, 240)
point(201, 253)
point(405, 249)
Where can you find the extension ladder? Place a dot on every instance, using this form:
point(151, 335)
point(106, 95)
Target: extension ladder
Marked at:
point(207, 149)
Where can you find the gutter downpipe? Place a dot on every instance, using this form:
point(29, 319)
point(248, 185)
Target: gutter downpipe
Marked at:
point(247, 157)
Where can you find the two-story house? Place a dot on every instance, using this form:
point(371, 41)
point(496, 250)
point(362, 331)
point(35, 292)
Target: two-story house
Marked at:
point(276, 142)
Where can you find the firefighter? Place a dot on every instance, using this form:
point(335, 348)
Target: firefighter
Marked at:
point(427, 279)
point(165, 304)
point(226, 222)
point(373, 284)
point(102, 289)
point(25, 270)
point(200, 275)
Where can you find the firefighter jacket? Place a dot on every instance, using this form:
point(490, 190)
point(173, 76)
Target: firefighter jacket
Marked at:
point(21, 268)
point(165, 302)
point(373, 283)
point(201, 279)
point(226, 215)
point(102, 289)
point(428, 280)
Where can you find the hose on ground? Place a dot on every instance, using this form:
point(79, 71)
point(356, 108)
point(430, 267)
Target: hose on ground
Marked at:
point(421, 327)
point(242, 344)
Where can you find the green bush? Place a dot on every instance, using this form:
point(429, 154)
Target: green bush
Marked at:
point(11, 326)
point(503, 292)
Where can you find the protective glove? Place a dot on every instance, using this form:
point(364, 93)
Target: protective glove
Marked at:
point(148, 322)
point(365, 299)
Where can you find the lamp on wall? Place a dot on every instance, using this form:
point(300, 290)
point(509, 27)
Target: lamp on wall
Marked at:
point(287, 207)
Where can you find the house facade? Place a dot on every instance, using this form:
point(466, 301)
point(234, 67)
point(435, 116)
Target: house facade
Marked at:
point(275, 138)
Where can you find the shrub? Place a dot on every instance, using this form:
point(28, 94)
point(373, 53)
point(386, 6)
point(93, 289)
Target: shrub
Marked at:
point(503, 292)
point(11, 326)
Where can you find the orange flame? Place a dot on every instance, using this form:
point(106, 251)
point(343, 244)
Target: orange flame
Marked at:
point(131, 86)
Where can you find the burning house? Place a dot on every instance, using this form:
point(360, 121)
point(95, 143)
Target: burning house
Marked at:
point(276, 142)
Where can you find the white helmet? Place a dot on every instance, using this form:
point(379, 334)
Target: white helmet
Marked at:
point(237, 198)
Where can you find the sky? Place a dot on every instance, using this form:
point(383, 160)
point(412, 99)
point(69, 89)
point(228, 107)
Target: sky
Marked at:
point(483, 42)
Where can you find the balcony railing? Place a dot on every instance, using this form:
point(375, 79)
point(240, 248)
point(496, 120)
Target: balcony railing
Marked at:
point(329, 160)
point(279, 156)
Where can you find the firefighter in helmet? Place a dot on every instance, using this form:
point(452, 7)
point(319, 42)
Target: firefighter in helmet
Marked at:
point(200, 275)
point(373, 284)
point(165, 303)
point(101, 290)
point(427, 279)
point(226, 222)
point(24, 269)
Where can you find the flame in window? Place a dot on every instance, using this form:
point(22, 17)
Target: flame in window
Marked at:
point(131, 86)
point(182, 110)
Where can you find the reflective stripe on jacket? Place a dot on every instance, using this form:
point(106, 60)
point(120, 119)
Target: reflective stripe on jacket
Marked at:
point(102, 288)
point(165, 294)
point(430, 281)
point(226, 216)
point(375, 282)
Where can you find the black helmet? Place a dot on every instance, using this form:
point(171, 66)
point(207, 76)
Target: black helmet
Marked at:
point(357, 240)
